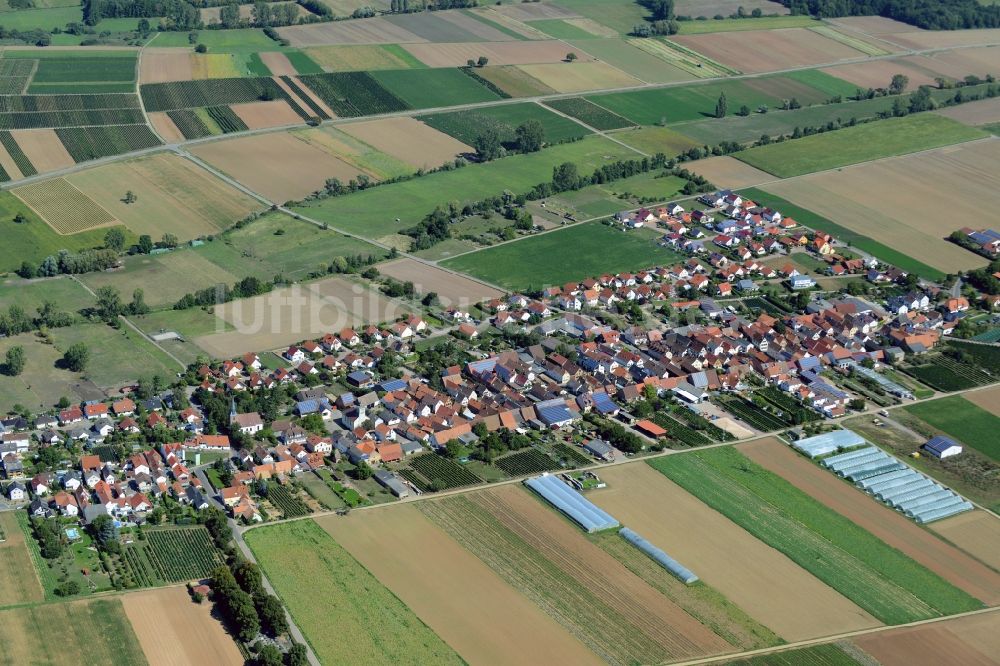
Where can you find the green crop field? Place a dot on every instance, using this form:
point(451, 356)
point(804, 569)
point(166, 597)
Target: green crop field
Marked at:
point(44, 19)
point(731, 25)
point(589, 113)
point(220, 41)
point(346, 614)
point(65, 294)
point(467, 125)
point(644, 65)
point(827, 84)
point(429, 88)
point(560, 29)
point(843, 234)
point(851, 145)
point(372, 213)
point(878, 578)
point(969, 423)
point(619, 15)
point(91, 143)
point(574, 253)
point(654, 140)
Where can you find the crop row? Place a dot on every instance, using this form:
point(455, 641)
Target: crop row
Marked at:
point(289, 505)
point(209, 92)
point(16, 67)
point(297, 89)
point(24, 165)
point(133, 569)
point(352, 94)
point(182, 554)
point(25, 120)
point(680, 432)
point(36, 103)
point(589, 113)
point(571, 455)
point(699, 423)
point(792, 411)
point(188, 122)
point(77, 68)
point(415, 479)
point(941, 378)
point(91, 143)
point(752, 414)
point(226, 119)
point(529, 461)
point(442, 473)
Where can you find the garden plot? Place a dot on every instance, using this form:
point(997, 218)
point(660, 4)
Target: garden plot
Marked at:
point(64, 207)
point(409, 140)
point(581, 76)
point(499, 53)
point(755, 51)
point(478, 626)
point(376, 30)
point(278, 165)
point(882, 199)
point(174, 631)
point(261, 115)
point(43, 149)
point(453, 290)
point(766, 584)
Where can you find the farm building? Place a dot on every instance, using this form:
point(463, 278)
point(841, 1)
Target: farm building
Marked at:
point(570, 502)
point(650, 429)
point(942, 447)
point(828, 442)
point(599, 449)
point(391, 483)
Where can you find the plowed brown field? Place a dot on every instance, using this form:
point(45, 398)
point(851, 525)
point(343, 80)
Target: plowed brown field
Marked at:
point(261, 115)
point(976, 532)
point(969, 641)
point(409, 140)
point(755, 51)
point(43, 149)
point(165, 127)
point(975, 113)
point(728, 172)
point(453, 290)
point(163, 65)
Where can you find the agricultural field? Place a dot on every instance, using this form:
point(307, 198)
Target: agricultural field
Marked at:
point(982, 112)
point(452, 290)
point(173, 630)
point(534, 262)
point(768, 50)
point(729, 172)
point(878, 74)
point(817, 655)
point(43, 149)
point(863, 143)
point(967, 640)
point(514, 81)
point(963, 178)
point(498, 53)
point(881, 580)
point(287, 503)
point(91, 143)
point(429, 88)
point(649, 60)
point(213, 92)
point(62, 72)
point(377, 30)
point(362, 57)
point(465, 126)
point(975, 532)
point(581, 76)
point(767, 586)
point(738, 25)
point(618, 15)
point(962, 420)
point(64, 207)
point(477, 626)
point(262, 115)
point(18, 581)
point(90, 632)
point(353, 94)
point(652, 140)
point(548, 559)
point(329, 578)
point(890, 526)
point(589, 113)
point(117, 357)
point(440, 473)
point(408, 140)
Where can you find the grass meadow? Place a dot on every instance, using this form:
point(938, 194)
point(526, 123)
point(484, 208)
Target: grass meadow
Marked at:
point(429, 88)
point(878, 578)
point(966, 422)
point(116, 356)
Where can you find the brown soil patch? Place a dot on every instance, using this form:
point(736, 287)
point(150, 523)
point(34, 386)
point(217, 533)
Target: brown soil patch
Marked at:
point(563, 544)
point(261, 115)
point(768, 50)
point(886, 199)
point(878, 73)
point(175, 631)
point(728, 172)
point(766, 584)
point(165, 127)
point(511, 23)
point(369, 31)
point(499, 53)
point(936, 39)
point(970, 641)
point(409, 140)
point(162, 65)
point(975, 113)
point(988, 399)
point(18, 581)
point(43, 149)
point(535, 12)
point(906, 536)
point(9, 165)
point(278, 63)
point(710, 8)
point(976, 532)
point(483, 31)
point(960, 63)
point(285, 316)
point(278, 165)
point(481, 627)
point(317, 100)
point(453, 290)
point(874, 25)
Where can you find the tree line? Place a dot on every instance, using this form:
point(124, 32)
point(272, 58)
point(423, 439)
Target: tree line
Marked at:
point(927, 14)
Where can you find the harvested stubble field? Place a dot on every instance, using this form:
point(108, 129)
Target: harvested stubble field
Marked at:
point(580, 76)
point(766, 585)
point(514, 81)
point(975, 532)
point(18, 580)
point(478, 626)
point(768, 50)
point(174, 631)
point(939, 39)
point(165, 128)
point(64, 207)
point(362, 57)
point(43, 149)
point(408, 140)
point(375, 30)
point(341, 145)
point(498, 53)
point(970, 641)
point(453, 290)
point(983, 112)
point(890, 526)
point(90, 632)
point(346, 614)
point(880, 579)
point(610, 609)
point(878, 73)
point(877, 200)
point(162, 65)
point(261, 115)
point(278, 165)
point(729, 172)
point(174, 195)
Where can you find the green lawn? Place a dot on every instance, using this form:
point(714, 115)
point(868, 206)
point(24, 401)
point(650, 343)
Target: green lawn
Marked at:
point(373, 212)
point(878, 578)
point(346, 614)
point(44, 19)
point(963, 420)
point(116, 356)
point(429, 88)
point(870, 141)
point(731, 25)
point(467, 125)
point(574, 253)
point(843, 234)
point(66, 294)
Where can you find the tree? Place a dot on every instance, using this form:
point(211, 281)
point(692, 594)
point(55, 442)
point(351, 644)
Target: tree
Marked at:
point(722, 106)
point(115, 239)
point(482, 62)
point(571, 57)
point(105, 534)
point(268, 655)
point(271, 613)
point(744, 111)
point(899, 107)
point(297, 655)
point(430, 299)
point(565, 177)
point(898, 84)
point(145, 244)
point(169, 240)
point(488, 145)
point(248, 575)
point(138, 305)
point(27, 270)
point(530, 136)
point(109, 304)
point(76, 357)
point(14, 364)
point(362, 471)
point(201, 48)
point(130, 197)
